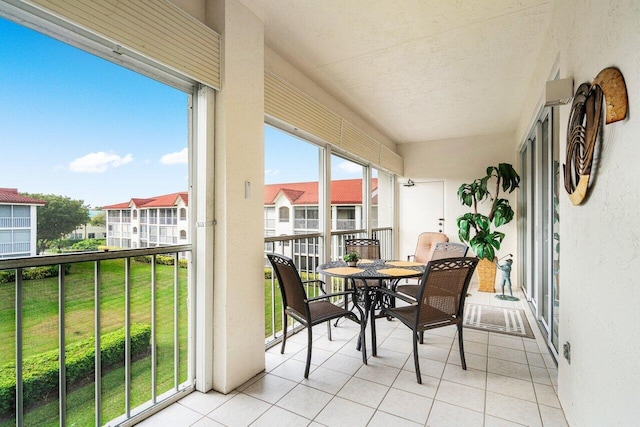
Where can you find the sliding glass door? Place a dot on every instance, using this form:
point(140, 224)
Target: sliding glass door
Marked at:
point(539, 224)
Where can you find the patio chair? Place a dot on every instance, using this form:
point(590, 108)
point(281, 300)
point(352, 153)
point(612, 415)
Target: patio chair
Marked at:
point(425, 246)
point(441, 294)
point(310, 311)
point(441, 250)
point(367, 249)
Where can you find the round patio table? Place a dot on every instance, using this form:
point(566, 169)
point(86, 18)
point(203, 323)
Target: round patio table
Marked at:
point(369, 274)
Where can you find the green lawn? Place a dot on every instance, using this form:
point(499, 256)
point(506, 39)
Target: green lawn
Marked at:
point(40, 323)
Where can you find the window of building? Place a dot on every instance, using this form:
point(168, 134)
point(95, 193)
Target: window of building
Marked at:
point(269, 218)
point(283, 214)
point(183, 214)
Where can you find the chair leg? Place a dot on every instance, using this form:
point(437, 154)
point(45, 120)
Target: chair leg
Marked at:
point(461, 345)
point(363, 340)
point(374, 343)
point(416, 360)
point(421, 337)
point(309, 339)
point(284, 332)
point(329, 329)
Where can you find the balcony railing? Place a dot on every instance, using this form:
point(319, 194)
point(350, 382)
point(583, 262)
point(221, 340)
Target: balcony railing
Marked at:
point(15, 248)
point(307, 251)
point(10, 222)
point(306, 224)
point(346, 224)
point(104, 343)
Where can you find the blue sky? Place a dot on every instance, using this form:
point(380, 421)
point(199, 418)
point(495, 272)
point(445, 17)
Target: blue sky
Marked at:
point(76, 125)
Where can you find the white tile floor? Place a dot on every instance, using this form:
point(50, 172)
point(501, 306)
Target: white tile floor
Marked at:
point(510, 381)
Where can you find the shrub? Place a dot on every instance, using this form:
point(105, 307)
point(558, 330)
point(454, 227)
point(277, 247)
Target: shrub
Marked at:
point(88, 244)
point(33, 273)
point(40, 372)
point(162, 259)
point(267, 273)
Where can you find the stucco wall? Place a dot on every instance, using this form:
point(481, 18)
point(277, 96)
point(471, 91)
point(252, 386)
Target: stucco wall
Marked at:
point(600, 239)
point(456, 161)
point(239, 157)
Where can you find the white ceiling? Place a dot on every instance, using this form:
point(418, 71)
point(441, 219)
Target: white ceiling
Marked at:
point(418, 70)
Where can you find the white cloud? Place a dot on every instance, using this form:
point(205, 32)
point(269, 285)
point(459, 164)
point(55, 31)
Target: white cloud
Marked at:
point(272, 172)
point(350, 167)
point(98, 162)
point(179, 157)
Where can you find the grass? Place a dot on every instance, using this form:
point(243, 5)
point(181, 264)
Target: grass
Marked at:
point(40, 325)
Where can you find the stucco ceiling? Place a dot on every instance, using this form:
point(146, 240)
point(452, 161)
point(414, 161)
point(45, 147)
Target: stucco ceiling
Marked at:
point(418, 70)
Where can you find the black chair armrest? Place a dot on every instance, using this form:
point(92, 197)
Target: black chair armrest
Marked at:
point(327, 296)
point(397, 295)
point(322, 284)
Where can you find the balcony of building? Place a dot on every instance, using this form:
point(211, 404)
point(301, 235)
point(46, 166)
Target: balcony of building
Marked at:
point(432, 92)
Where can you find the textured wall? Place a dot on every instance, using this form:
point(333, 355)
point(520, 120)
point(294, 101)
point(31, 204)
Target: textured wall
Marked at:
point(600, 267)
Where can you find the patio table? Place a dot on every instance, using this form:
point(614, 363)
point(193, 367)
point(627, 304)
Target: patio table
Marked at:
point(368, 271)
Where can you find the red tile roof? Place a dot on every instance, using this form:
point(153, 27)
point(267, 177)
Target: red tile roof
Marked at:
point(343, 192)
point(11, 195)
point(164, 201)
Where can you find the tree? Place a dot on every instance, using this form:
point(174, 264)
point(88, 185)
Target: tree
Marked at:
point(59, 217)
point(99, 220)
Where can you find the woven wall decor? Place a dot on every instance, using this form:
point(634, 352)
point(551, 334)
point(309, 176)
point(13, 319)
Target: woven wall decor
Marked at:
point(584, 124)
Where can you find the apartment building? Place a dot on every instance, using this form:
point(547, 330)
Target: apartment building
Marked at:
point(148, 222)
point(292, 208)
point(18, 224)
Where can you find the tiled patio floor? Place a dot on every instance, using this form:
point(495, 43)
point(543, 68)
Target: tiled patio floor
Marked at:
point(510, 381)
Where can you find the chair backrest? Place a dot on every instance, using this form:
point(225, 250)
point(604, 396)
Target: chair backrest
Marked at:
point(291, 287)
point(443, 288)
point(366, 248)
point(425, 245)
point(449, 250)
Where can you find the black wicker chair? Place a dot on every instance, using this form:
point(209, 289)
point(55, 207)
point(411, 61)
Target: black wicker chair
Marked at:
point(310, 311)
point(440, 301)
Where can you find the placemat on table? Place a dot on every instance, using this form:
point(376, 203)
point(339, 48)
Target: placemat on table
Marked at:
point(366, 261)
point(398, 271)
point(344, 271)
point(404, 263)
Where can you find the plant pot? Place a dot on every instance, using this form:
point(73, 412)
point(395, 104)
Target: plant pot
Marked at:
point(486, 275)
point(352, 263)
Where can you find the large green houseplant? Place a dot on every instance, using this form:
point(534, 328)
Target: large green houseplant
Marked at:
point(479, 230)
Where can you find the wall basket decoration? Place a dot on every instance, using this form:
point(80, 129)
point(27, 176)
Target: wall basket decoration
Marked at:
point(584, 124)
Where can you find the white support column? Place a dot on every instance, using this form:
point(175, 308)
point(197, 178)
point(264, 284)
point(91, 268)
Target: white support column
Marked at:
point(238, 261)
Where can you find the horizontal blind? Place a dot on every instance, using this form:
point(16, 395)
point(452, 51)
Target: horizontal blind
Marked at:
point(391, 161)
point(290, 105)
point(155, 29)
point(359, 143)
point(284, 102)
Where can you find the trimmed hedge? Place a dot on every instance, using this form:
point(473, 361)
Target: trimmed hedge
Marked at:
point(33, 273)
point(162, 259)
point(40, 372)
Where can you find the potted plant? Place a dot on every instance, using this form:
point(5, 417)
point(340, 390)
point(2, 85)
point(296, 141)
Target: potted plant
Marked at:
point(351, 258)
point(479, 230)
